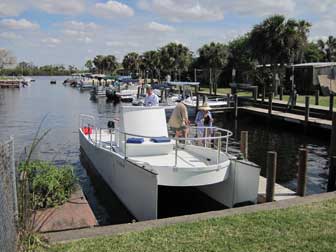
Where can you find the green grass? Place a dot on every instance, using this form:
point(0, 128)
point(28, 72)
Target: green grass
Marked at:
point(303, 228)
point(323, 101)
point(221, 91)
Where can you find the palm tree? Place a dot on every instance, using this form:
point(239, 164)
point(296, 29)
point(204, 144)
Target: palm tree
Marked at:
point(278, 41)
point(109, 63)
point(150, 62)
point(175, 58)
point(131, 62)
point(89, 65)
point(328, 48)
point(213, 56)
point(98, 62)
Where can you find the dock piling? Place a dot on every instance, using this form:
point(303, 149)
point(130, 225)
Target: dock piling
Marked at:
point(244, 143)
point(270, 175)
point(332, 175)
point(263, 94)
point(317, 97)
point(281, 93)
point(236, 106)
point(270, 101)
point(331, 104)
point(307, 110)
point(302, 173)
point(228, 100)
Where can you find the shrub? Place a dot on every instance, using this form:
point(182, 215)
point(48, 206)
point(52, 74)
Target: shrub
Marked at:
point(49, 185)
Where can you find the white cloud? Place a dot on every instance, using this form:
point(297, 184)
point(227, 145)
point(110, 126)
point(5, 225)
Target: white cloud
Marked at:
point(10, 8)
point(213, 10)
point(113, 43)
point(66, 7)
point(187, 10)
point(9, 36)
point(85, 40)
point(18, 24)
point(154, 26)
point(259, 7)
point(51, 42)
point(110, 9)
point(76, 25)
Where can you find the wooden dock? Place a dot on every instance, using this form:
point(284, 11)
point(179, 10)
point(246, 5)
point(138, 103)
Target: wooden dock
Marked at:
point(10, 83)
point(280, 192)
point(289, 117)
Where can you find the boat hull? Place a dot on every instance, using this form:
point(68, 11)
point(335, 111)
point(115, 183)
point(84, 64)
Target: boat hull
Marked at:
point(136, 187)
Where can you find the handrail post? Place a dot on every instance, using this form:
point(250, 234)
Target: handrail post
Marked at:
point(110, 140)
point(125, 144)
point(100, 142)
point(176, 147)
point(95, 136)
point(219, 146)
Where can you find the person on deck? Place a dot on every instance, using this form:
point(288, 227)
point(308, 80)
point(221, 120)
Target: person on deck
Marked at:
point(203, 119)
point(179, 121)
point(151, 98)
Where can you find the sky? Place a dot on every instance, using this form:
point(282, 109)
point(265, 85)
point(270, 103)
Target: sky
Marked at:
point(70, 32)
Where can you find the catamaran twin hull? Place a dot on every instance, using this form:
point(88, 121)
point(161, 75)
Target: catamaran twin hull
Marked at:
point(136, 185)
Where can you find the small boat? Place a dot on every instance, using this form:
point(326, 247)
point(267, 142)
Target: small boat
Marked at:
point(53, 82)
point(135, 156)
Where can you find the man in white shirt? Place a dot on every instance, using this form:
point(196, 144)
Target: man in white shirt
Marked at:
point(151, 98)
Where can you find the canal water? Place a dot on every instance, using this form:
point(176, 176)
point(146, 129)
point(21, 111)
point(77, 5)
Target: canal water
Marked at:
point(58, 106)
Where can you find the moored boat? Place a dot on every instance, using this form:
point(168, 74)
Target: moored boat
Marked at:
point(136, 156)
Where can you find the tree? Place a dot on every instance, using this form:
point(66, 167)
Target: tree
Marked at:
point(98, 62)
point(240, 57)
point(109, 63)
point(89, 65)
point(6, 58)
point(328, 48)
point(313, 53)
point(215, 57)
point(131, 62)
point(175, 58)
point(150, 62)
point(278, 41)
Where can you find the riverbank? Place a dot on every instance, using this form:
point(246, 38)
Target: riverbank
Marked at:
point(302, 224)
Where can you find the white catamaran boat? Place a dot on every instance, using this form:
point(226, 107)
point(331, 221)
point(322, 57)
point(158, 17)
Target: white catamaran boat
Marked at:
point(136, 156)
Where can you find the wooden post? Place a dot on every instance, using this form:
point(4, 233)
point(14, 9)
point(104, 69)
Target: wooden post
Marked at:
point(270, 101)
point(317, 97)
point(302, 173)
point(332, 148)
point(281, 93)
point(332, 175)
point(271, 166)
point(263, 93)
point(228, 100)
point(331, 104)
point(166, 95)
point(307, 109)
point(244, 143)
point(236, 106)
point(204, 99)
point(255, 94)
point(161, 91)
point(138, 93)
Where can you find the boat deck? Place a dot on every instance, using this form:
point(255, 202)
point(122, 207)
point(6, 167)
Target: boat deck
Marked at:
point(185, 159)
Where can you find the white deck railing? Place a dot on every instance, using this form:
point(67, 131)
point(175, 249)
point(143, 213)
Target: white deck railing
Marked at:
point(211, 135)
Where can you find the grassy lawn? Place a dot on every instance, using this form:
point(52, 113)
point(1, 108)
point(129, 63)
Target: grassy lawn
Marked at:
point(303, 228)
point(324, 100)
point(221, 91)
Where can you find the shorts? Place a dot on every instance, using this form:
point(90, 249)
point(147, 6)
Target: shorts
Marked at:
point(183, 127)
